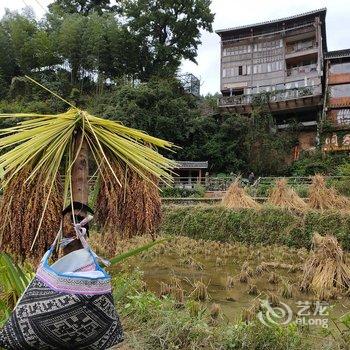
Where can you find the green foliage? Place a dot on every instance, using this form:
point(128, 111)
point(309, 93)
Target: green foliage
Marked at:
point(265, 226)
point(256, 336)
point(87, 40)
point(167, 32)
point(13, 281)
point(177, 192)
point(84, 7)
point(266, 149)
point(122, 257)
point(157, 324)
point(318, 163)
point(159, 108)
point(344, 169)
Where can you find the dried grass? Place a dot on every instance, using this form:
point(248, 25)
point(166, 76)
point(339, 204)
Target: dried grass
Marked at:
point(326, 272)
point(131, 210)
point(284, 196)
point(21, 209)
point(323, 198)
point(237, 198)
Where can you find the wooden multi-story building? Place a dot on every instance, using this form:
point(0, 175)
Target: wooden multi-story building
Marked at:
point(337, 101)
point(284, 60)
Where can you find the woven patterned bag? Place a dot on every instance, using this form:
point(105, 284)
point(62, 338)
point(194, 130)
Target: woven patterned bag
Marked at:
point(68, 305)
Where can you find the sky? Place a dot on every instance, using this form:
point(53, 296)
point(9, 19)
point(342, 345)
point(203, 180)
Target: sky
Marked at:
point(232, 13)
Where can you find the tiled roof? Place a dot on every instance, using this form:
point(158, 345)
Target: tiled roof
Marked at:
point(184, 164)
point(314, 12)
point(337, 54)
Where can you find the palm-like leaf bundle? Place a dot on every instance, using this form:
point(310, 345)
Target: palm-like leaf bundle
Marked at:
point(40, 149)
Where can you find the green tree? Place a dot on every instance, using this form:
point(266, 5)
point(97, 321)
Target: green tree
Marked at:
point(84, 7)
point(159, 107)
point(268, 151)
point(7, 64)
point(21, 31)
point(168, 30)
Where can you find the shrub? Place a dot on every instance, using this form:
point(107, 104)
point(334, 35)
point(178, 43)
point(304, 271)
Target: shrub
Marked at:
point(266, 226)
point(256, 336)
point(317, 163)
point(177, 192)
point(341, 185)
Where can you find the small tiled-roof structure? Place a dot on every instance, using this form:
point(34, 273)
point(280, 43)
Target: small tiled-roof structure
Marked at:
point(345, 53)
point(185, 164)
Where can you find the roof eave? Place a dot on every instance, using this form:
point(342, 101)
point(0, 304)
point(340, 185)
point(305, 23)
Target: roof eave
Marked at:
point(266, 23)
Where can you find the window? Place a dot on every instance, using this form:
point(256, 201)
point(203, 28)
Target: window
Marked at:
point(340, 68)
point(343, 116)
point(340, 90)
point(240, 70)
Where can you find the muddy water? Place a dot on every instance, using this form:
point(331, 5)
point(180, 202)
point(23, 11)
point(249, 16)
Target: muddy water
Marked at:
point(215, 263)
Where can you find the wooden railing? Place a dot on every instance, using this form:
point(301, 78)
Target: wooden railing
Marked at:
point(268, 97)
point(212, 183)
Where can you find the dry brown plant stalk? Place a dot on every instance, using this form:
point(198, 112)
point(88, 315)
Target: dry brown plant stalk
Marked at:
point(21, 209)
point(326, 272)
point(284, 196)
point(128, 210)
point(321, 197)
point(236, 197)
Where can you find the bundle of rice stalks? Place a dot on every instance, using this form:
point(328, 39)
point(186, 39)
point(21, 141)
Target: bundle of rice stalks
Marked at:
point(237, 198)
point(200, 291)
point(326, 272)
point(130, 210)
point(284, 196)
point(321, 197)
point(22, 209)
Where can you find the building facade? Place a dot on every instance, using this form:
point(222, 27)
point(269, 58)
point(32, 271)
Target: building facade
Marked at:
point(282, 60)
point(336, 116)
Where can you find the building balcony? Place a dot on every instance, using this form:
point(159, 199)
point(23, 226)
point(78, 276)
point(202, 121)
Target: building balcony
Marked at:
point(293, 51)
point(302, 70)
point(289, 99)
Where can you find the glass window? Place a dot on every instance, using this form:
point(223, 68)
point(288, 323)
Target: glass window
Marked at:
point(340, 90)
point(343, 116)
point(340, 68)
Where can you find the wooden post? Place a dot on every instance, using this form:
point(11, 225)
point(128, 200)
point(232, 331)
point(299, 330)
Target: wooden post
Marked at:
point(80, 186)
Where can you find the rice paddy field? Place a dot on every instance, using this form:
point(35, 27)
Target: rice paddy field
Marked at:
point(242, 275)
point(229, 283)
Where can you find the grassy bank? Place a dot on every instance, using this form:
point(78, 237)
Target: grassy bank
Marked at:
point(266, 226)
point(153, 323)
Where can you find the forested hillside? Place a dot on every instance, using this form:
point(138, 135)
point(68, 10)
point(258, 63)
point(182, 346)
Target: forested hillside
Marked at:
point(121, 62)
